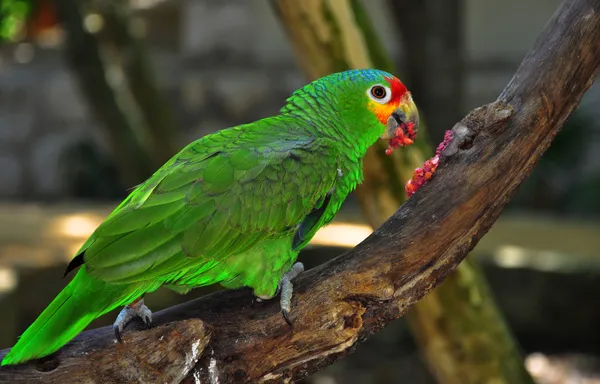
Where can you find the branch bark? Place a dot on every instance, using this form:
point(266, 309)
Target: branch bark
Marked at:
point(163, 354)
point(354, 295)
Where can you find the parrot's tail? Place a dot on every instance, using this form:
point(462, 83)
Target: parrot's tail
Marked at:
point(81, 301)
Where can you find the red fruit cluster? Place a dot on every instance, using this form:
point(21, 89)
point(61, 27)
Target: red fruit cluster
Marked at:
point(422, 175)
point(403, 136)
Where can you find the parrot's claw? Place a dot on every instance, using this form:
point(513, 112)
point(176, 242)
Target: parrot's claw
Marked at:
point(286, 289)
point(286, 316)
point(130, 312)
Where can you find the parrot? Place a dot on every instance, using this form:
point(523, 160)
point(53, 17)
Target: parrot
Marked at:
point(234, 207)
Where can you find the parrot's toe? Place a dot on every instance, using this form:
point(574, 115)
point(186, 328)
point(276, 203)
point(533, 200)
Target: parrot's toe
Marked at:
point(130, 312)
point(287, 288)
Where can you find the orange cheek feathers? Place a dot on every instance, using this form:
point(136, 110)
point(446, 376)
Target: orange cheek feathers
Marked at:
point(382, 111)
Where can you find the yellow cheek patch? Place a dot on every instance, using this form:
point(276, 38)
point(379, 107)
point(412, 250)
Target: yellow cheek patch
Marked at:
point(382, 111)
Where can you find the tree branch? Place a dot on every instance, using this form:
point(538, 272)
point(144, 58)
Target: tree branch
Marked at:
point(354, 295)
point(162, 354)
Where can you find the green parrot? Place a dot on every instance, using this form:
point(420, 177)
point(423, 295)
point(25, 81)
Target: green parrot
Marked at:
point(234, 207)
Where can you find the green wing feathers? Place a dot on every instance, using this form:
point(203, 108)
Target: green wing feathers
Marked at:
point(219, 197)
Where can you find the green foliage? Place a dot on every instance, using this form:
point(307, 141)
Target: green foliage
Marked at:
point(12, 17)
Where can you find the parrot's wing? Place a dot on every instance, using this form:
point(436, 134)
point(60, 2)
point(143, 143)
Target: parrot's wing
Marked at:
point(217, 197)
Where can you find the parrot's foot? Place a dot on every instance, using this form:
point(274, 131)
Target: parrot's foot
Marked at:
point(285, 288)
point(130, 312)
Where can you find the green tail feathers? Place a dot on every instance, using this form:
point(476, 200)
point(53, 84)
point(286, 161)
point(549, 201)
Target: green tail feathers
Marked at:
point(81, 301)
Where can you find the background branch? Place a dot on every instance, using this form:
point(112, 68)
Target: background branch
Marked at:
point(354, 295)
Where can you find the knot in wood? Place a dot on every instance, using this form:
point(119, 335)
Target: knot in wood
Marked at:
point(490, 119)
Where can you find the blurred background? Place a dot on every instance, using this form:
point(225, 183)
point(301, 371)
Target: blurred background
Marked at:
point(96, 95)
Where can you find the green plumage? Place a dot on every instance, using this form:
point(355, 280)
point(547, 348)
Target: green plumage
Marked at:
point(234, 207)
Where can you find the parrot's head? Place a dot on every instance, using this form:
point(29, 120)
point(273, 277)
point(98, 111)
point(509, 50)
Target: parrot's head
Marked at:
point(393, 107)
point(367, 103)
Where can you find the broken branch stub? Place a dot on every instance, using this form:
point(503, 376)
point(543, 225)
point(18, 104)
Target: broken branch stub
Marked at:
point(163, 354)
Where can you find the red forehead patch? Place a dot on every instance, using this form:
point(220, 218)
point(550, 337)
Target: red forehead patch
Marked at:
point(398, 89)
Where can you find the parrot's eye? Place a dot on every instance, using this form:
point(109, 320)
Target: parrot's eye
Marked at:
point(380, 93)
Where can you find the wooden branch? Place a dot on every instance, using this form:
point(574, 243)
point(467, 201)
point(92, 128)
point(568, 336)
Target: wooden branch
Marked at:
point(163, 354)
point(354, 295)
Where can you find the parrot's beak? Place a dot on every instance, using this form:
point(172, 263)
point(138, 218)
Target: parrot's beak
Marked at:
point(402, 125)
